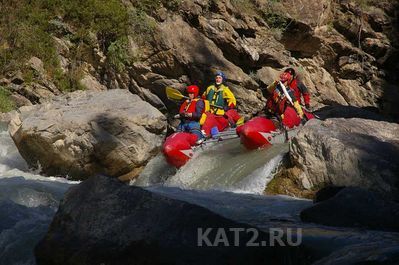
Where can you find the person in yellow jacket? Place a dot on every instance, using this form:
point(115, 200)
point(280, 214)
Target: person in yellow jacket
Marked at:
point(222, 105)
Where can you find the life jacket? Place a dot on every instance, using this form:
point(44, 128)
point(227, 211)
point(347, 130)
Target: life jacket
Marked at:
point(215, 97)
point(220, 96)
point(190, 107)
point(279, 99)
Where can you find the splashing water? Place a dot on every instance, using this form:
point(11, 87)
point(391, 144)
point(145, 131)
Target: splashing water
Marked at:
point(226, 166)
point(28, 203)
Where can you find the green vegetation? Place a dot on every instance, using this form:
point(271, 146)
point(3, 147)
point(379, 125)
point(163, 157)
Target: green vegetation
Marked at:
point(272, 11)
point(142, 26)
point(27, 27)
point(24, 34)
point(245, 6)
point(150, 6)
point(107, 19)
point(118, 55)
point(364, 3)
point(6, 103)
point(273, 14)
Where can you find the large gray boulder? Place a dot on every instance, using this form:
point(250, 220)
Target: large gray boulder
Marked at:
point(112, 132)
point(103, 221)
point(348, 152)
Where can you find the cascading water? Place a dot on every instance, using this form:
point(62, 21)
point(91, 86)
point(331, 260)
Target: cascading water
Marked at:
point(28, 203)
point(225, 166)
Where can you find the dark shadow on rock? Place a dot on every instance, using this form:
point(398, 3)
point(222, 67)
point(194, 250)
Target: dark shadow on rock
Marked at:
point(119, 147)
point(381, 158)
point(369, 253)
point(102, 221)
point(390, 62)
point(326, 193)
point(340, 111)
point(355, 207)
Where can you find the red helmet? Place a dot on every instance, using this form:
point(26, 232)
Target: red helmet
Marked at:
point(285, 77)
point(193, 89)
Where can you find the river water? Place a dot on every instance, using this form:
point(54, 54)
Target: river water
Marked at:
point(224, 178)
point(28, 203)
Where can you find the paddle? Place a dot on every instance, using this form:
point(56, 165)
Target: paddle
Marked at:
point(292, 103)
point(174, 94)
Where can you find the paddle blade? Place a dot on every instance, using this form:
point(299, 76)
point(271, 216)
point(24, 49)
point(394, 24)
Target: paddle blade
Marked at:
point(174, 94)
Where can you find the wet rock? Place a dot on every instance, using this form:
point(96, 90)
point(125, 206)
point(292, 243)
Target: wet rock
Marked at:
point(102, 221)
point(349, 112)
point(366, 253)
point(326, 193)
point(83, 133)
point(355, 207)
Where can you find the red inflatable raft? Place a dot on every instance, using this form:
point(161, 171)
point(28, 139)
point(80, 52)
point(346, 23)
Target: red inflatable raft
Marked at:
point(257, 132)
point(260, 131)
point(179, 147)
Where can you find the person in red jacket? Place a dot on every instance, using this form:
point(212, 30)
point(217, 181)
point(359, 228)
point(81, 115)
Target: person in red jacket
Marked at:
point(191, 112)
point(283, 103)
point(300, 90)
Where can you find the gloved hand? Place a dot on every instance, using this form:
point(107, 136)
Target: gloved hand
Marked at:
point(185, 115)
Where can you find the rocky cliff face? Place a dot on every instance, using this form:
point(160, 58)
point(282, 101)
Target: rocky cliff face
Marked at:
point(346, 52)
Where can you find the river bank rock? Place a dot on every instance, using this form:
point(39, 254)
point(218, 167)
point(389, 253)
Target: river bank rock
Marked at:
point(355, 207)
point(102, 221)
point(366, 253)
point(348, 152)
point(83, 133)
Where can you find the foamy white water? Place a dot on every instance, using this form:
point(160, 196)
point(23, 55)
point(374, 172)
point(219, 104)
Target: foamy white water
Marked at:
point(225, 166)
point(28, 202)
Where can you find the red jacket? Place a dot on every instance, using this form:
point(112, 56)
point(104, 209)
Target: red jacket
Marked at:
point(300, 90)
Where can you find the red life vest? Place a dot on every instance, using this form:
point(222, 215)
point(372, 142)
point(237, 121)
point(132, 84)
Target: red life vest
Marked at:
point(280, 101)
point(189, 106)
